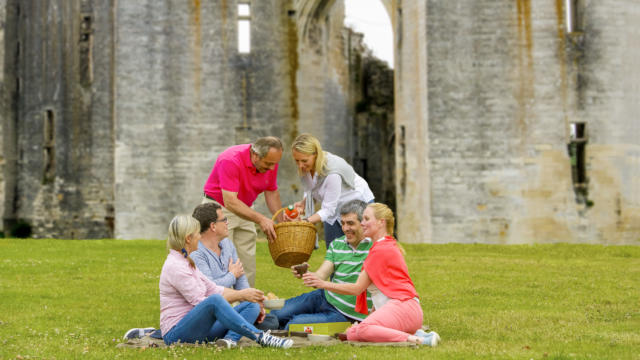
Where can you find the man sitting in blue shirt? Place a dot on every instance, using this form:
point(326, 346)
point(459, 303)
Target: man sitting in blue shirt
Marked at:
point(217, 258)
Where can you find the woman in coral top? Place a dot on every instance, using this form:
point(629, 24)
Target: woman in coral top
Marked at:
point(398, 315)
point(195, 309)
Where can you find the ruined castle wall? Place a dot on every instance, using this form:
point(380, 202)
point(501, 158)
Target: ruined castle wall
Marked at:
point(184, 94)
point(60, 119)
point(607, 76)
point(323, 79)
point(497, 127)
point(502, 92)
point(3, 21)
point(413, 184)
point(374, 126)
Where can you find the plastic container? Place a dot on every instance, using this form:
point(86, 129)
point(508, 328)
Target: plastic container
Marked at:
point(291, 212)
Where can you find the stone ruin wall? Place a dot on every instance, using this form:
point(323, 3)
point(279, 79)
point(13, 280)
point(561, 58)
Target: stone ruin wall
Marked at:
point(606, 72)
point(3, 19)
point(504, 83)
point(184, 94)
point(485, 97)
point(57, 118)
point(345, 95)
point(163, 101)
point(323, 79)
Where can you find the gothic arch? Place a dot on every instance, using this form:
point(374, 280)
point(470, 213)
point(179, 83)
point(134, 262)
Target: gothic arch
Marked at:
point(311, 10)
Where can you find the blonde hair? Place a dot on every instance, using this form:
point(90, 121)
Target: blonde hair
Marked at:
point(382, 211)
point(180, 227)
point(307, 144)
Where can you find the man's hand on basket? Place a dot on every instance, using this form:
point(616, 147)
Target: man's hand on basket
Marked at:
point(266, 225)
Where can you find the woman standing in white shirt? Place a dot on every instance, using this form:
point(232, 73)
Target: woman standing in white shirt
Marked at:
point(329, 179)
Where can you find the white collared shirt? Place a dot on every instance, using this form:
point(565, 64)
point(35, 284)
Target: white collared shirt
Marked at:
point(331, 195)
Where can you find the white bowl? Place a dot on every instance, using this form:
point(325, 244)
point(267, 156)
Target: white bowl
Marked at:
point(318, 337)
point(274, 304)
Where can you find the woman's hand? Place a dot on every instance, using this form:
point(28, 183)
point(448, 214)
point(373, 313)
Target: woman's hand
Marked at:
point(313, 280)
point(286, 217)
point(252, 295)
point(300, 207)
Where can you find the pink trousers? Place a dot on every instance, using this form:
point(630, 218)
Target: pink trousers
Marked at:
point(393, 322)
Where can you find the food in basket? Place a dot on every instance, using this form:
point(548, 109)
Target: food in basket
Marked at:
point(273, 302)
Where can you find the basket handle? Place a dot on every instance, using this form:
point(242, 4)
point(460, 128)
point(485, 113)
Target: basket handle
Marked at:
point(273, 218)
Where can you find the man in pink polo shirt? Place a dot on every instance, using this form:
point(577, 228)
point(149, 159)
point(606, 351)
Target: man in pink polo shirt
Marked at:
point(240, 174)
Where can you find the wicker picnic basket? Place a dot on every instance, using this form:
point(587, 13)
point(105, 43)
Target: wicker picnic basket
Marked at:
point(295, 242)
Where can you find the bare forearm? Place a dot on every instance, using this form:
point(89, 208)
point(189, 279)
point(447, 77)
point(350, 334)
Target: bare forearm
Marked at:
point(272, 198)
point(325, 270)
point(314, 219)
point(231, 295)
point(239, 208)
point(345, 289)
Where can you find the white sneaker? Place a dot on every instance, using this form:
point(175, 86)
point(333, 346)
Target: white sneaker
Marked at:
point(432, 338)
point(266, 339)
point(226, 343)
point(137, 333)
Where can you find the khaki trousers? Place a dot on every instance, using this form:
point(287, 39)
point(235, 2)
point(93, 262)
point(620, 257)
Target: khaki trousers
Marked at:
point(243, 234)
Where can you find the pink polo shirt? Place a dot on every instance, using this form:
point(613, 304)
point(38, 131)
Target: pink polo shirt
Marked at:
point(181, 289)
point(234, 172)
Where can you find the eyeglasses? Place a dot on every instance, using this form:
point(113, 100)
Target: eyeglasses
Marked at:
point(224, 220)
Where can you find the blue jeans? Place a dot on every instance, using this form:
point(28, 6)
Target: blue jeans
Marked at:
point(211, 319)
point(332, 232)
point(308, 308)
point(248, 310)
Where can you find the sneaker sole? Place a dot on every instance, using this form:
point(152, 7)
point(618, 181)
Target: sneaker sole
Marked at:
point(224, 344)
point(130, 334)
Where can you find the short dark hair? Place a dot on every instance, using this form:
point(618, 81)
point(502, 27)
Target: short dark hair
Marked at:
point(206, 214)
point(354, 207)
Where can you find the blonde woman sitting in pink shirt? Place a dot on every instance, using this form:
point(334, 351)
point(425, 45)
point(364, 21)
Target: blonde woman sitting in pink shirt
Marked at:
point(398, 315)
point(195, 309)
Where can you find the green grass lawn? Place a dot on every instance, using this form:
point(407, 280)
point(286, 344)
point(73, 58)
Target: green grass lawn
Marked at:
point(75, 299)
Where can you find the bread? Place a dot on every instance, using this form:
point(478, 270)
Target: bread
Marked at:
point(301, 269)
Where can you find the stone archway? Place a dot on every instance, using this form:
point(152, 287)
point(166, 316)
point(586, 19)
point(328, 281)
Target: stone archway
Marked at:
point(345, 98)
point(310, 10)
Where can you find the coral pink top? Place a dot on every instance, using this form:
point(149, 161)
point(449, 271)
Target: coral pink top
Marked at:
point(234, 172)
point(388, 271)
point(181, 289)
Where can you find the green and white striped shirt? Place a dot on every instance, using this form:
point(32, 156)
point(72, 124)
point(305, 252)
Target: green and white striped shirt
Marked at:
point(347, 263)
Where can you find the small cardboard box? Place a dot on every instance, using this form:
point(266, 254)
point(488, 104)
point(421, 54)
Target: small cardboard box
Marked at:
point(321, 328)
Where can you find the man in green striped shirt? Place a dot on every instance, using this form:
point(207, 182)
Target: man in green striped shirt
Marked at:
point(343, 260)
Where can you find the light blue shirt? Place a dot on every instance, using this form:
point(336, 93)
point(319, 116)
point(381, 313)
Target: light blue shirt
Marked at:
point(216, 268)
